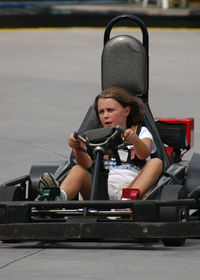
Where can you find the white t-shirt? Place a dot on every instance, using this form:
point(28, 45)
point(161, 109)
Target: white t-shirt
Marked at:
point(145, 133)
point(126, 172)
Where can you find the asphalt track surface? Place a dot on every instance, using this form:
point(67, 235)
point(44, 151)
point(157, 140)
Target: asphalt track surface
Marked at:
point(49, 77)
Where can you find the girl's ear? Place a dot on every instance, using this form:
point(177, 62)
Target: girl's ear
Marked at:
point(127, 110)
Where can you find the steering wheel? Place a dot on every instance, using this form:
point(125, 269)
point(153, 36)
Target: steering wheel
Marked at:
point(105, 140)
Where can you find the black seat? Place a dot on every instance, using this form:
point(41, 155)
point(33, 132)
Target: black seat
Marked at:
point(125, 64)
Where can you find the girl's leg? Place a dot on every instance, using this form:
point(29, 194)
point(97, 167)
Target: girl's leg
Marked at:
point(78, 180)
point(148, 176)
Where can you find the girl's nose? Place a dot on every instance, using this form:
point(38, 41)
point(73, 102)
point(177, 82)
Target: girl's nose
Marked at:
point(106, 115)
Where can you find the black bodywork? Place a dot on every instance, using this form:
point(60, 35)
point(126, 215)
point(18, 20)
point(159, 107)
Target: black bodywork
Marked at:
point(170, 212)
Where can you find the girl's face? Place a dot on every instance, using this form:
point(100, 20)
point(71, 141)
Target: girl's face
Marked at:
point(111, 113)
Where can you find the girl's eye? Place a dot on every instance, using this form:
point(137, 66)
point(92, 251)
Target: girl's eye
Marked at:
point(110, 110)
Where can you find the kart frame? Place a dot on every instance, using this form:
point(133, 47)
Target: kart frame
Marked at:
point(30, 221)
point(170, 212)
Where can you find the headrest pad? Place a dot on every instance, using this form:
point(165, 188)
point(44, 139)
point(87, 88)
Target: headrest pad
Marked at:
point(124, 64)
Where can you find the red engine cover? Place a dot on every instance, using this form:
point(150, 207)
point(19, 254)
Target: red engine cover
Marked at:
point(189, 122)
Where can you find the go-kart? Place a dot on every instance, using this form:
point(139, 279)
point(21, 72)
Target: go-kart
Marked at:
point(169, 212)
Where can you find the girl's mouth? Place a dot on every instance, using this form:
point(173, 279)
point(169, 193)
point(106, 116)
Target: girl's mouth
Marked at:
point(107, 123)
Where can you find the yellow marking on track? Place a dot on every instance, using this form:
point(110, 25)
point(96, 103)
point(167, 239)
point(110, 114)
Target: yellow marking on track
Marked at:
point(97, 28)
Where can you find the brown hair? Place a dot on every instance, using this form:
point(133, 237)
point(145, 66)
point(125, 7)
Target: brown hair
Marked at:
point(136, 114)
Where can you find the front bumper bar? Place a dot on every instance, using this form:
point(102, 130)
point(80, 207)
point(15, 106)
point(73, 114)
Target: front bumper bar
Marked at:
point(96, 220)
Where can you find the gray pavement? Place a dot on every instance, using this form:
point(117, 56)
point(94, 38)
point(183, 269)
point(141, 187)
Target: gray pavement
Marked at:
point(99, 261)
point(48, 80)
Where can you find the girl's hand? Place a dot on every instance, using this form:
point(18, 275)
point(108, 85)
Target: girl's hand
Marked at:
point(130, 136)
point(83, 159)
point(73, 142)
point(142, 147)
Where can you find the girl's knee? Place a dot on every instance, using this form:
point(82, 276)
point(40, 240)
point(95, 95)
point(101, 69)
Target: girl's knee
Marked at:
point(77, 168)
point(154, 165)
point(157, 162)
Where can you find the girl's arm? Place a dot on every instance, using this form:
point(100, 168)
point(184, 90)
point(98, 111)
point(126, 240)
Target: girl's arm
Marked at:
point(142, 147)
point(82, 158)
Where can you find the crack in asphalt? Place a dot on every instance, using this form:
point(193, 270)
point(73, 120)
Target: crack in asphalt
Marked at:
point(21, 258)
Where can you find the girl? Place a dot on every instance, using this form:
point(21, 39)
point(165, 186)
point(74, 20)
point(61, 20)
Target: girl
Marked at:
point(114, 106)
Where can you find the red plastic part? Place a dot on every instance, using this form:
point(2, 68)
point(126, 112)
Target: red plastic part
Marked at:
point(170, 153)
point(130, 193)
point(189, 122)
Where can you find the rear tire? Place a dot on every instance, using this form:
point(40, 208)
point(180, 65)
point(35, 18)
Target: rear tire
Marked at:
point(172, 213)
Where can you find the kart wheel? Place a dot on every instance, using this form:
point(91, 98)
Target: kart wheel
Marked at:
point(174, 242)
point(172, 213)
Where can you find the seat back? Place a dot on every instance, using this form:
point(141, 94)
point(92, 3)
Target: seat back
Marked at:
point(124, 61)
point(150, 124)
point(125, 64)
